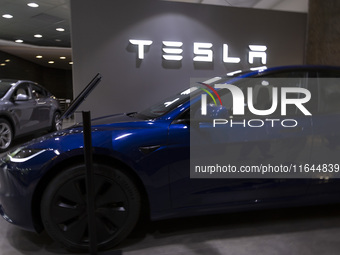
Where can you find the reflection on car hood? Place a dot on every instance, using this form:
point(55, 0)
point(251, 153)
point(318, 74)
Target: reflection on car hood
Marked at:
point(115, 118)
point(105, 120)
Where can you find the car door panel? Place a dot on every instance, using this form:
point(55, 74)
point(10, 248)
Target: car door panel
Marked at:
point(22, 111)
point(187, 191)
point(42, 112)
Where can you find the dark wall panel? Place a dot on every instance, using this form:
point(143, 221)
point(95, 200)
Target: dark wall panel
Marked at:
point(101, 31)
point(58, 81)
point(323, 33)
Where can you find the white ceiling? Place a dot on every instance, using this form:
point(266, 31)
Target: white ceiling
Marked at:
point(48, 53)
point(52, 14)
point(27, 22)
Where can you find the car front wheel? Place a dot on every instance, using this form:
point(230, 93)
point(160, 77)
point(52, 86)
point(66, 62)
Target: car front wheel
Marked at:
point(56, 122)
point(64, 207)
point(6, 135)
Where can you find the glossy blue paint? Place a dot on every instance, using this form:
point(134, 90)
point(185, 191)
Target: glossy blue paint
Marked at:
point(156, 151)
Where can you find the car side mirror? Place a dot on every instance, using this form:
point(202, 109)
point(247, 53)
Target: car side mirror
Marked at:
point(182, 121)
point(21, 97)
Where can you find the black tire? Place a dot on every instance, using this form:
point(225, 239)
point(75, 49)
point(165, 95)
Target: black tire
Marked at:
point(64, 210)
point(6, 135)
point(56, 123)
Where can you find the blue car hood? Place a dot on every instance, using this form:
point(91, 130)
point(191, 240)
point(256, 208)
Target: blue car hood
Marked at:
point(115, 118)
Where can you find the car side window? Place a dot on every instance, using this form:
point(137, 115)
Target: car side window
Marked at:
point(185, 115)
point(38, 92)
point(262, 88)
point(263, 91)
point(22, 89)
point(329, 92)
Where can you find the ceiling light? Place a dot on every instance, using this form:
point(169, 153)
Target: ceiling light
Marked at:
point(2, 64)
point(38, 36)
point(7, 16)
point(19, 41)
point(7, 60)
point(71, 63)
point(62, 57)
point(60, 29)
point(51, 62)
point(57, 40)
point(33, 5)
point(39, 56)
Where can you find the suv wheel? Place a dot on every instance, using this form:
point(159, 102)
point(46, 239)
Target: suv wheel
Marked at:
point(56, 123)
point(6, 135)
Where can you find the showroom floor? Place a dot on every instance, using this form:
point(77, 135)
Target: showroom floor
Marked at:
point(303, 231)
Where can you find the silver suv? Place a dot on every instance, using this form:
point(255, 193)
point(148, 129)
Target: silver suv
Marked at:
point(25, 107)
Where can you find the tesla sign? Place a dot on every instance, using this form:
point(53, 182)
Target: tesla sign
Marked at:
point(172, 51)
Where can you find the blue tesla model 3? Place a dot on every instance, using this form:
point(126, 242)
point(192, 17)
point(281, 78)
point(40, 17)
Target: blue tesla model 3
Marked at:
point(141, 162)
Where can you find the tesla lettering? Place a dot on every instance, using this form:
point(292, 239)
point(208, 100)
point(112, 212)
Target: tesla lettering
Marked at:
point(257, 51)
point(141, 45)
point(226, 58)
point(173, 50)
point(203, 52)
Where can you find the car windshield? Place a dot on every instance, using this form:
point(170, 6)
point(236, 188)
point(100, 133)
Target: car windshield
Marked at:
point(172, 102)
point(166, 105)
point(4, 87)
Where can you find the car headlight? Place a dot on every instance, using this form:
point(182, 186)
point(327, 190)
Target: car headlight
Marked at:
point(23, 154)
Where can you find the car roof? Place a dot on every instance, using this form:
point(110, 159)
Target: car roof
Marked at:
point(288, 68)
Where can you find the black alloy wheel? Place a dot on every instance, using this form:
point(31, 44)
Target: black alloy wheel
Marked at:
point(64, 207)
